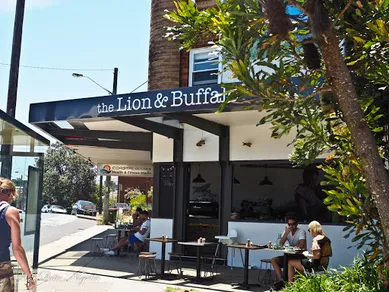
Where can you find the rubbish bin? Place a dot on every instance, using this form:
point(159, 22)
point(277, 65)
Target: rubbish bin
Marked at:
point(112, 213)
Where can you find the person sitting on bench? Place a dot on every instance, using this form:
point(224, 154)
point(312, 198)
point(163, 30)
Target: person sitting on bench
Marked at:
point(139, 237)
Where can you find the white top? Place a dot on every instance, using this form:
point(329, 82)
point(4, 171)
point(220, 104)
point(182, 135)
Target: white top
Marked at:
point(145, 225)
point(294, 239)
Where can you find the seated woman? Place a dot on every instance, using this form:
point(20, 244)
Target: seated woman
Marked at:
point(321, 251)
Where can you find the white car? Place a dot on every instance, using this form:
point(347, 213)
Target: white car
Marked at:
point(45, 209)
point(57, 209)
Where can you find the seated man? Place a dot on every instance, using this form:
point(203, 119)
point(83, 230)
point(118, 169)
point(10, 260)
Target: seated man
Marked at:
point(136, 221)
point(296, 237)
point(142, 233)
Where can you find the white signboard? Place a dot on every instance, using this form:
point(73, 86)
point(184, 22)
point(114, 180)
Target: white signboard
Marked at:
point(125, 170)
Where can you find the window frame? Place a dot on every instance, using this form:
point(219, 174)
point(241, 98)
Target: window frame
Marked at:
point(192, 54)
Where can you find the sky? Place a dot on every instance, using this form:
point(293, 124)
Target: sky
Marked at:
point(84, 34)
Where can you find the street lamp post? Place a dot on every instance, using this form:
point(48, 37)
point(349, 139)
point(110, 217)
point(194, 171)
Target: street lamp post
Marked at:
point(108, 178)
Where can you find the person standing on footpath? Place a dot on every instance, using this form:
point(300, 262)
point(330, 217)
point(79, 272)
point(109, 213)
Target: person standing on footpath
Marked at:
point(10, 233)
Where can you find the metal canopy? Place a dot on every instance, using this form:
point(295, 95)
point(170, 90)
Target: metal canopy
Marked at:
point(125, 123)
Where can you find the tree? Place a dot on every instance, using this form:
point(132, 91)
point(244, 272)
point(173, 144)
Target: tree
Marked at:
point(68, 177)
point(290, 63)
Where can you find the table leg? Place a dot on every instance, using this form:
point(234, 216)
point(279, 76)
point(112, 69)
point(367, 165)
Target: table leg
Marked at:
point(163, 259)
point(198, 265)
point(119, 236)
point(285, 269)
point(246, 268)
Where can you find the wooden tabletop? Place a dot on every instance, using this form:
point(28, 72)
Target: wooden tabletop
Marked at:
point(244, 246)
point(160, 239)
point(195, 243)
point(288, 251)
point(125, 229)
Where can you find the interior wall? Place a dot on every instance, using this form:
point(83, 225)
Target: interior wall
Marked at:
point(209, 151)
point(162, 149)
point(211, 173)
point(285, 181)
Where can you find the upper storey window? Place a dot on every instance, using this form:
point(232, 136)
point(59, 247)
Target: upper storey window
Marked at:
point(204, 67)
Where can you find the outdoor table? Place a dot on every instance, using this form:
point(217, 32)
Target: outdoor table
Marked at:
point(286, 253)
point(163, 241)
point(198, 257)
point(247, 249)
point(120, 230)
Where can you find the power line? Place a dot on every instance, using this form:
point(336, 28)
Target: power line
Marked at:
point(56, 69)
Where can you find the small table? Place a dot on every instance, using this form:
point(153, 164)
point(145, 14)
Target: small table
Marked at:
point(163, 241)
point(286, 253)
point(198, 258)
point(125, 230)
point(247, 249)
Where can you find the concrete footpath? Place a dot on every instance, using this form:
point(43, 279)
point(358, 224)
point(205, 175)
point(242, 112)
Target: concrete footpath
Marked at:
point(51, 250)
point(68, 265)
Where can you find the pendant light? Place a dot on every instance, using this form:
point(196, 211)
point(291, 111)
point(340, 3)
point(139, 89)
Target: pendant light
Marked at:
point(265, 181)
point(198, 179)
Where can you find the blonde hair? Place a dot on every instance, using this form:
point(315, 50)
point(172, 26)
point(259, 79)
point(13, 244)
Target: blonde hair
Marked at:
point(7, 185)
point(315, 227)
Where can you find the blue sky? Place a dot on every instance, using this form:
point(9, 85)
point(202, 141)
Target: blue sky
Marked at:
point(95, 34)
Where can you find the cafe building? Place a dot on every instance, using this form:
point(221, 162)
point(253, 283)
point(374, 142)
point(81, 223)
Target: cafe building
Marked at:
point(211, 172)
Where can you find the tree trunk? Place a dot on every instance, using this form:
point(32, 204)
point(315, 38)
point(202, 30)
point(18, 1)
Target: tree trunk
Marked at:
point(361, 136)
point(106, 199)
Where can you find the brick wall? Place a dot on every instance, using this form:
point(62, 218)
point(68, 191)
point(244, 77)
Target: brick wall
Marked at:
point(141, 183)
point(168, 67)
point(202, 4)
point(164, 56)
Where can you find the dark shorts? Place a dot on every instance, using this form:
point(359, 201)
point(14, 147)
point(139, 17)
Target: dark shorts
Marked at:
point(6, 278)
point(280, 259)
point(132, 239)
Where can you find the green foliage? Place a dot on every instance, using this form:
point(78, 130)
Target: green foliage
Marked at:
point(362, 276)
point(275, 79)
point(68, 177)
point(137, 199)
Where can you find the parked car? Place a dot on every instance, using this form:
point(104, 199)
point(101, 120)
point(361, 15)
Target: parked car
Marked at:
point(57, 209)
point(84, 208)
point(45, 209)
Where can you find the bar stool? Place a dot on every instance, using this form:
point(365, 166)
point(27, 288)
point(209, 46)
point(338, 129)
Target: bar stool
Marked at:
point(178, 262)
point(146, 265)
point(96, 245)
point(268, 276)
point(110, 240)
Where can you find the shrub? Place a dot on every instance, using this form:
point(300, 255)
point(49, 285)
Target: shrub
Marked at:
point(362, 276)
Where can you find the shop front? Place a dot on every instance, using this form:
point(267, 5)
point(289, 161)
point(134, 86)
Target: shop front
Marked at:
point(212, 172)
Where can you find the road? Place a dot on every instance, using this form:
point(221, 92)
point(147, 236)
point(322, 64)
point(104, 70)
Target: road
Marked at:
point(56, 226)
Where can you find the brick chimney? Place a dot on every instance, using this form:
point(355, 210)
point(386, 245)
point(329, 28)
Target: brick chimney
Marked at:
point(202, 4)
point(164, 56)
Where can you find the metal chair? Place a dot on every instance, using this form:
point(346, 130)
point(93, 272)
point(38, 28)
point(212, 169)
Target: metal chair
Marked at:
point(110, 240)
point(230, 238)
point(178, 262)
point(96, 245)
point(267, 278)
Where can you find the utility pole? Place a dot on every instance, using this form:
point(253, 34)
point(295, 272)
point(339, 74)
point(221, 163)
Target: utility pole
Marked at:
point(6, 147)
point(108, 178)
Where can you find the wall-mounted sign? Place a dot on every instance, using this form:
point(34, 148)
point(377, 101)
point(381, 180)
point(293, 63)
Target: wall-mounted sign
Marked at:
point(195, 98)
point(125, 170)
